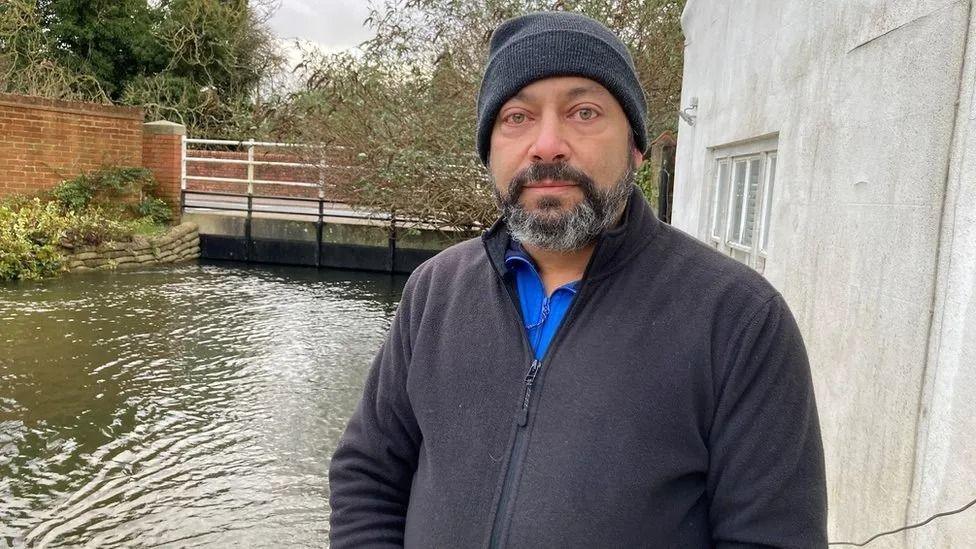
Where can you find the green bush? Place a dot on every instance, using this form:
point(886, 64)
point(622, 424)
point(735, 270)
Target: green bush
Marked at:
point(646, 179)
point(109, 204)
point(32, 233)
point(121, 192)
point(106, 186)
point(74, 194)
point(26, 249)
point(91, 227)
point(155, 209)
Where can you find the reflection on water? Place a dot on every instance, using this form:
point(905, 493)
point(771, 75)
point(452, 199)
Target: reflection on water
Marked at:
point(188, 406)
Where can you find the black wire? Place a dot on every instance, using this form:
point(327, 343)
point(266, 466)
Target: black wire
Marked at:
point(903, 528)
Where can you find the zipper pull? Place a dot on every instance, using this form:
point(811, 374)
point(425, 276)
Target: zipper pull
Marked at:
point(527, 394)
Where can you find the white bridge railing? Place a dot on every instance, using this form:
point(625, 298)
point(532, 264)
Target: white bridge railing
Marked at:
point(250, 202)
point(251, 163)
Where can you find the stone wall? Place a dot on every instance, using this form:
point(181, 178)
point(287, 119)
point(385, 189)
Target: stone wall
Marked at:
point(181, 243)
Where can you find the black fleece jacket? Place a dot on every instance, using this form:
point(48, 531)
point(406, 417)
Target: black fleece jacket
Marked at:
point(674, 409)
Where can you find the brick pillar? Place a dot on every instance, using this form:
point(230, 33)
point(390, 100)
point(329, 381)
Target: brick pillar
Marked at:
point(162, 154)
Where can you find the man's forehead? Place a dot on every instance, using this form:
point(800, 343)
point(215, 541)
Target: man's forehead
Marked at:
point(560, 87)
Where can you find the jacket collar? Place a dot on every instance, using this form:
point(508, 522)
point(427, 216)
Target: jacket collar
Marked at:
point(614, 247)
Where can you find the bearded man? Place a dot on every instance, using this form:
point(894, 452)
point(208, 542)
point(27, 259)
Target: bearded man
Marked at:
point(583, 375)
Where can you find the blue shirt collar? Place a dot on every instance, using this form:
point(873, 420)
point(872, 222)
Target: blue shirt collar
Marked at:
point(521, 263)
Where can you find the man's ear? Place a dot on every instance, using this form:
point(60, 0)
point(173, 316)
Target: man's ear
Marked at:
point(638, 157)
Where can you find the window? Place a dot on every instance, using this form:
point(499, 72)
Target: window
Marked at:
point(741, 197)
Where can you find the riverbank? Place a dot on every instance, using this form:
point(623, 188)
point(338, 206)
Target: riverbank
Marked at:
point(100, 219)
point(180, 243)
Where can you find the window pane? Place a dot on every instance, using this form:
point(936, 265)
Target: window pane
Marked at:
point(720, 200)
point(741, 256)
point(738, 193)
point(750, 208)
point(767, 200)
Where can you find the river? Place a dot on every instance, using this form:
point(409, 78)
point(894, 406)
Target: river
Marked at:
point(189, 406)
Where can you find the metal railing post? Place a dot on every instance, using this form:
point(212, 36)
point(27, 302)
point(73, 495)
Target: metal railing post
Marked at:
point(182, 174)
point(250, 166)
point(248, 242)
point(392, 241)
point(318, 230)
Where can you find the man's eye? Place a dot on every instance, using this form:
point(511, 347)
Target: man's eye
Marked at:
point(586, 114)
point(516, 118)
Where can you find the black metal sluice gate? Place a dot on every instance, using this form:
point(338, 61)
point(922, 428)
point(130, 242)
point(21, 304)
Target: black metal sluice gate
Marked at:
point(392, 257)
point(294, 252)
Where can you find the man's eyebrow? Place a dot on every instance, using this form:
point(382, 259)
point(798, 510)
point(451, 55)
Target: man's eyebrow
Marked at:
point(583, 90)
point(522, 96)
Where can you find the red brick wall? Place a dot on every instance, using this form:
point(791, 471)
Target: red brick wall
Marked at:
point(44, 141)
point(162, 154)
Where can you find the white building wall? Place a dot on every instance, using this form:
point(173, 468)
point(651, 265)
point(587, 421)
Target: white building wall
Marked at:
point(946, 463)
point(862, 96)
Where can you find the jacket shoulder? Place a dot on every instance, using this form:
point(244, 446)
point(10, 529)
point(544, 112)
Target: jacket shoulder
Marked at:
point(452, 266)
point(707, 266)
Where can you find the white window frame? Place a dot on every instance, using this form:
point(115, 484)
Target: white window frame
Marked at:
point(768, 188)
point(720, 230)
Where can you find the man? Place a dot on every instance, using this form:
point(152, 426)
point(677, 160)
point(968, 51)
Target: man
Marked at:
point(583, 375)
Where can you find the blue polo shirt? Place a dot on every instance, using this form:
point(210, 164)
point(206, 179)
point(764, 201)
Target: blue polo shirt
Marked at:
point(542, 314)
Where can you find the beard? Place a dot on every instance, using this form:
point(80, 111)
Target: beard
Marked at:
point(551, 225)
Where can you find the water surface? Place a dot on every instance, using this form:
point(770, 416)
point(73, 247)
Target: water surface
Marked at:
point(192, 406)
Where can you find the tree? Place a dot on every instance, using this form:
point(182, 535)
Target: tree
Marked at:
point(408, 103)
point(218, 53)
point(113, 40)
point(421, 31)
point(29, 62)
point(196, 61)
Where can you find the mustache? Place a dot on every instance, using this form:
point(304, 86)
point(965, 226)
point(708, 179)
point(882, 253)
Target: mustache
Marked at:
point(556, 171)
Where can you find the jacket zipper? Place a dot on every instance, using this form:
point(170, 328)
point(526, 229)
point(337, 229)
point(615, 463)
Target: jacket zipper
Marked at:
point(529, 381)
point(499, 525)
point(519, 444)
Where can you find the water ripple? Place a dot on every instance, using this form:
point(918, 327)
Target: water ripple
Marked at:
point(192, 406)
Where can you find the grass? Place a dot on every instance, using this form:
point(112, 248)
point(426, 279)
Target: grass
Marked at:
point(147, 226)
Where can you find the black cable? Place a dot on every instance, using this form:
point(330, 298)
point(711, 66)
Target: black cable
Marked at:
point(903, 528)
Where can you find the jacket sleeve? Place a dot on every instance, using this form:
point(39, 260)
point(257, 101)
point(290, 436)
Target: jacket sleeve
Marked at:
point(373, 466)
point(766, 477)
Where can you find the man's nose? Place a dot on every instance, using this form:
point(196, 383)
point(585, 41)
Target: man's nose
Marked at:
point(550, 143)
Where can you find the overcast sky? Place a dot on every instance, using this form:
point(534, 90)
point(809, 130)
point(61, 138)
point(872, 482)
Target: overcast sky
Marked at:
point(331, 24)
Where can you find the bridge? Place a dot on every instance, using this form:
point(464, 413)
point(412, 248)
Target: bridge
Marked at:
point(275, 209)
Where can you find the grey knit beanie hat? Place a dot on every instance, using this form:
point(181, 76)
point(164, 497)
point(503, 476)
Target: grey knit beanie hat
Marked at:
point(545, 44)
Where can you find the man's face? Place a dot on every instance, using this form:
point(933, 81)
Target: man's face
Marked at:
point(562, 160)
